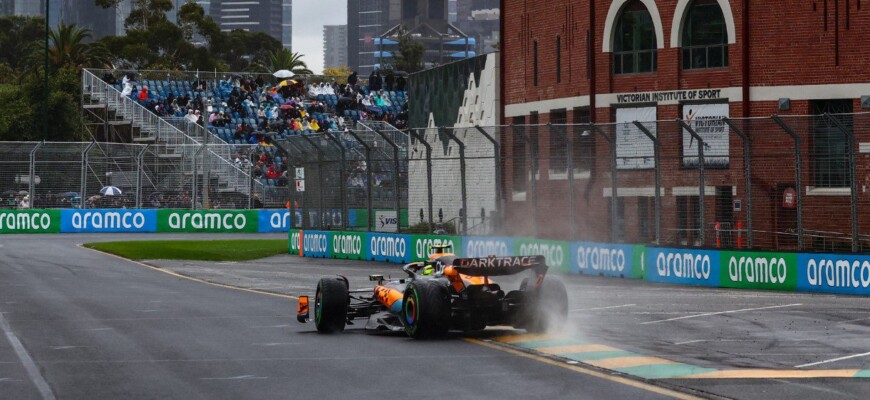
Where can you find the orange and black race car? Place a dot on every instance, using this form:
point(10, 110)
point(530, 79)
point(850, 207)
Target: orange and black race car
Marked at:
point(442, 294)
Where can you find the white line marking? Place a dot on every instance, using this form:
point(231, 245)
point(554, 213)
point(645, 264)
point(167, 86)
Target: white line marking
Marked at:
point(66, 347)
point(274, 344)
point(234, 378)
point(690, 341)
point(97, 329)
point(833, 360)
point(601, 308)
point(271, 326)
point(26, 361)
point(720, 313)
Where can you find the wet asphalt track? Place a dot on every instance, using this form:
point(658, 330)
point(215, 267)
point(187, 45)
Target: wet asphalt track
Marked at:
point(99, 327)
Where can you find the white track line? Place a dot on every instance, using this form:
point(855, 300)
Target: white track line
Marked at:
point(26, 361)
point(602, 308)
point(719, 313)
point(833, 360)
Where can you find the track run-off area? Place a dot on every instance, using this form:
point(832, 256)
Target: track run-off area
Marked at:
point(79, 324)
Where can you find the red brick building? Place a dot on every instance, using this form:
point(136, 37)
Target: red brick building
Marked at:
point(617, 61)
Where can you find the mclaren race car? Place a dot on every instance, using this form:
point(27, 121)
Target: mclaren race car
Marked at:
point(441, 294)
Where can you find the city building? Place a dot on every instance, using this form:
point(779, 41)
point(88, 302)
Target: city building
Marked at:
point(334, 45)
point(366, 21)
point(619, 61)
point(273, 17)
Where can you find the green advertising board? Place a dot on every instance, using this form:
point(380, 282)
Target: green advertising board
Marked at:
point(349, 245)
point(638, 257)
point(758, 270)
point(29, 221)
point(420, 245)
point(208, 221)
point(556, 252)
point(294, 242)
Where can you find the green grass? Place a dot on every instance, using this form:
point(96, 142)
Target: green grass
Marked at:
point(205, 250)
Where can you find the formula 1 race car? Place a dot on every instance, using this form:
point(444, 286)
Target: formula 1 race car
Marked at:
point(441, 294)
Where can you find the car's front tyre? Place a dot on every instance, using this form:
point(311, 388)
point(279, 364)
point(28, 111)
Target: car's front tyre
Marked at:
point(330, 305)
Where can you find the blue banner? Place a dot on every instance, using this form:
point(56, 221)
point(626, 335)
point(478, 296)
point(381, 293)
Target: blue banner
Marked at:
point(316, 244)
point(274, 220)
point(683, 266)
point(602, 259)
point(833, 273)
point(109, 220)
point(481, 246)
point(388, 247)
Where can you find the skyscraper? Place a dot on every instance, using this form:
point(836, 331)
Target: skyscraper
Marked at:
point(334, 45)
point(272, 17)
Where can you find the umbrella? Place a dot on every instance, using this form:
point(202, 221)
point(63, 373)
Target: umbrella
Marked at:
point(8, 193)
point(110, 191)
point(23, 192)
point(287, 83)
point(70, 194)
point(283, 74)
point(286, 107)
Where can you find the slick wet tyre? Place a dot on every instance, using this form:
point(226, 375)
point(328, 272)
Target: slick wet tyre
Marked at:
point(426, 309)
point(330, 305)
point(548, 307)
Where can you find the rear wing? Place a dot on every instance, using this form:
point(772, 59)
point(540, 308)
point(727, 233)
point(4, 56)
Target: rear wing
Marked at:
point(496, 266)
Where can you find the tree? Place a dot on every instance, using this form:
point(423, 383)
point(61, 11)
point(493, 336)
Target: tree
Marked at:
point(18, 36)
point(145, 13)
point(339, 74)
point(68, 48)
point(410, 57)
point(284, 59)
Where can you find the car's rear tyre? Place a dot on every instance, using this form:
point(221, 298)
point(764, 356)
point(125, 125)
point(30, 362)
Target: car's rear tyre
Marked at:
point(548, 307)
point(426, 309)
point(330, 305)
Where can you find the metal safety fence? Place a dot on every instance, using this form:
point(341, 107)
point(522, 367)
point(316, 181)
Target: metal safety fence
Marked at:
point(781, 182)
point(118, 175)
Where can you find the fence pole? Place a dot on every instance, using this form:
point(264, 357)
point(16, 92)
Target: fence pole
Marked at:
point(658, 179)
point(499, 184)
point(396, 186)
point(701, 181)
point(31, 185)
point(463, 217)
point(341, 178)
point(206, 187)
point(84, 182)
point(614, 203)
point(799, 192)
point(140, 161)
point(319, 179)
point(853, 186)
point(747, 165)
point(428, 147)
point(193, 196)
point(368, 148)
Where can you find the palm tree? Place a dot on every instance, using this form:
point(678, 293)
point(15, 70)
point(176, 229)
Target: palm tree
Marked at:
point(67, 47)
point(284, 59)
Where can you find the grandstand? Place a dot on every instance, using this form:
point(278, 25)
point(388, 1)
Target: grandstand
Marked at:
point(232, 138)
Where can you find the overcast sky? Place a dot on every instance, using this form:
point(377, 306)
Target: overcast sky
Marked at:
point(309, 16)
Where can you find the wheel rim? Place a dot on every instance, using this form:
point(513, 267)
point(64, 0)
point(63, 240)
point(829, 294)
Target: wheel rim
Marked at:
point(318, 307)
point(411, 308)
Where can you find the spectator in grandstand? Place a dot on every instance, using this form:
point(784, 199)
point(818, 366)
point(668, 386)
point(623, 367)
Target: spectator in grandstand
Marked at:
point(25, 202)
point(128, 86)
point(390, 80)
point(400, 83)
point(314, 125)
point(143, 94)
point(191, 117)
point(375, 81)
point(352, 79)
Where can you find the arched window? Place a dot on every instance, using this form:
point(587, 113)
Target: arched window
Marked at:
point(705, 36)
point(634, 41)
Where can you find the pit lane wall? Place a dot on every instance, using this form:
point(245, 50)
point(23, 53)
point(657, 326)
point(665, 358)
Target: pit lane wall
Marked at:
point(783, 271)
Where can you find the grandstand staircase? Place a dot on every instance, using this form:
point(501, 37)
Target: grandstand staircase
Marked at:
point(178, 151)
